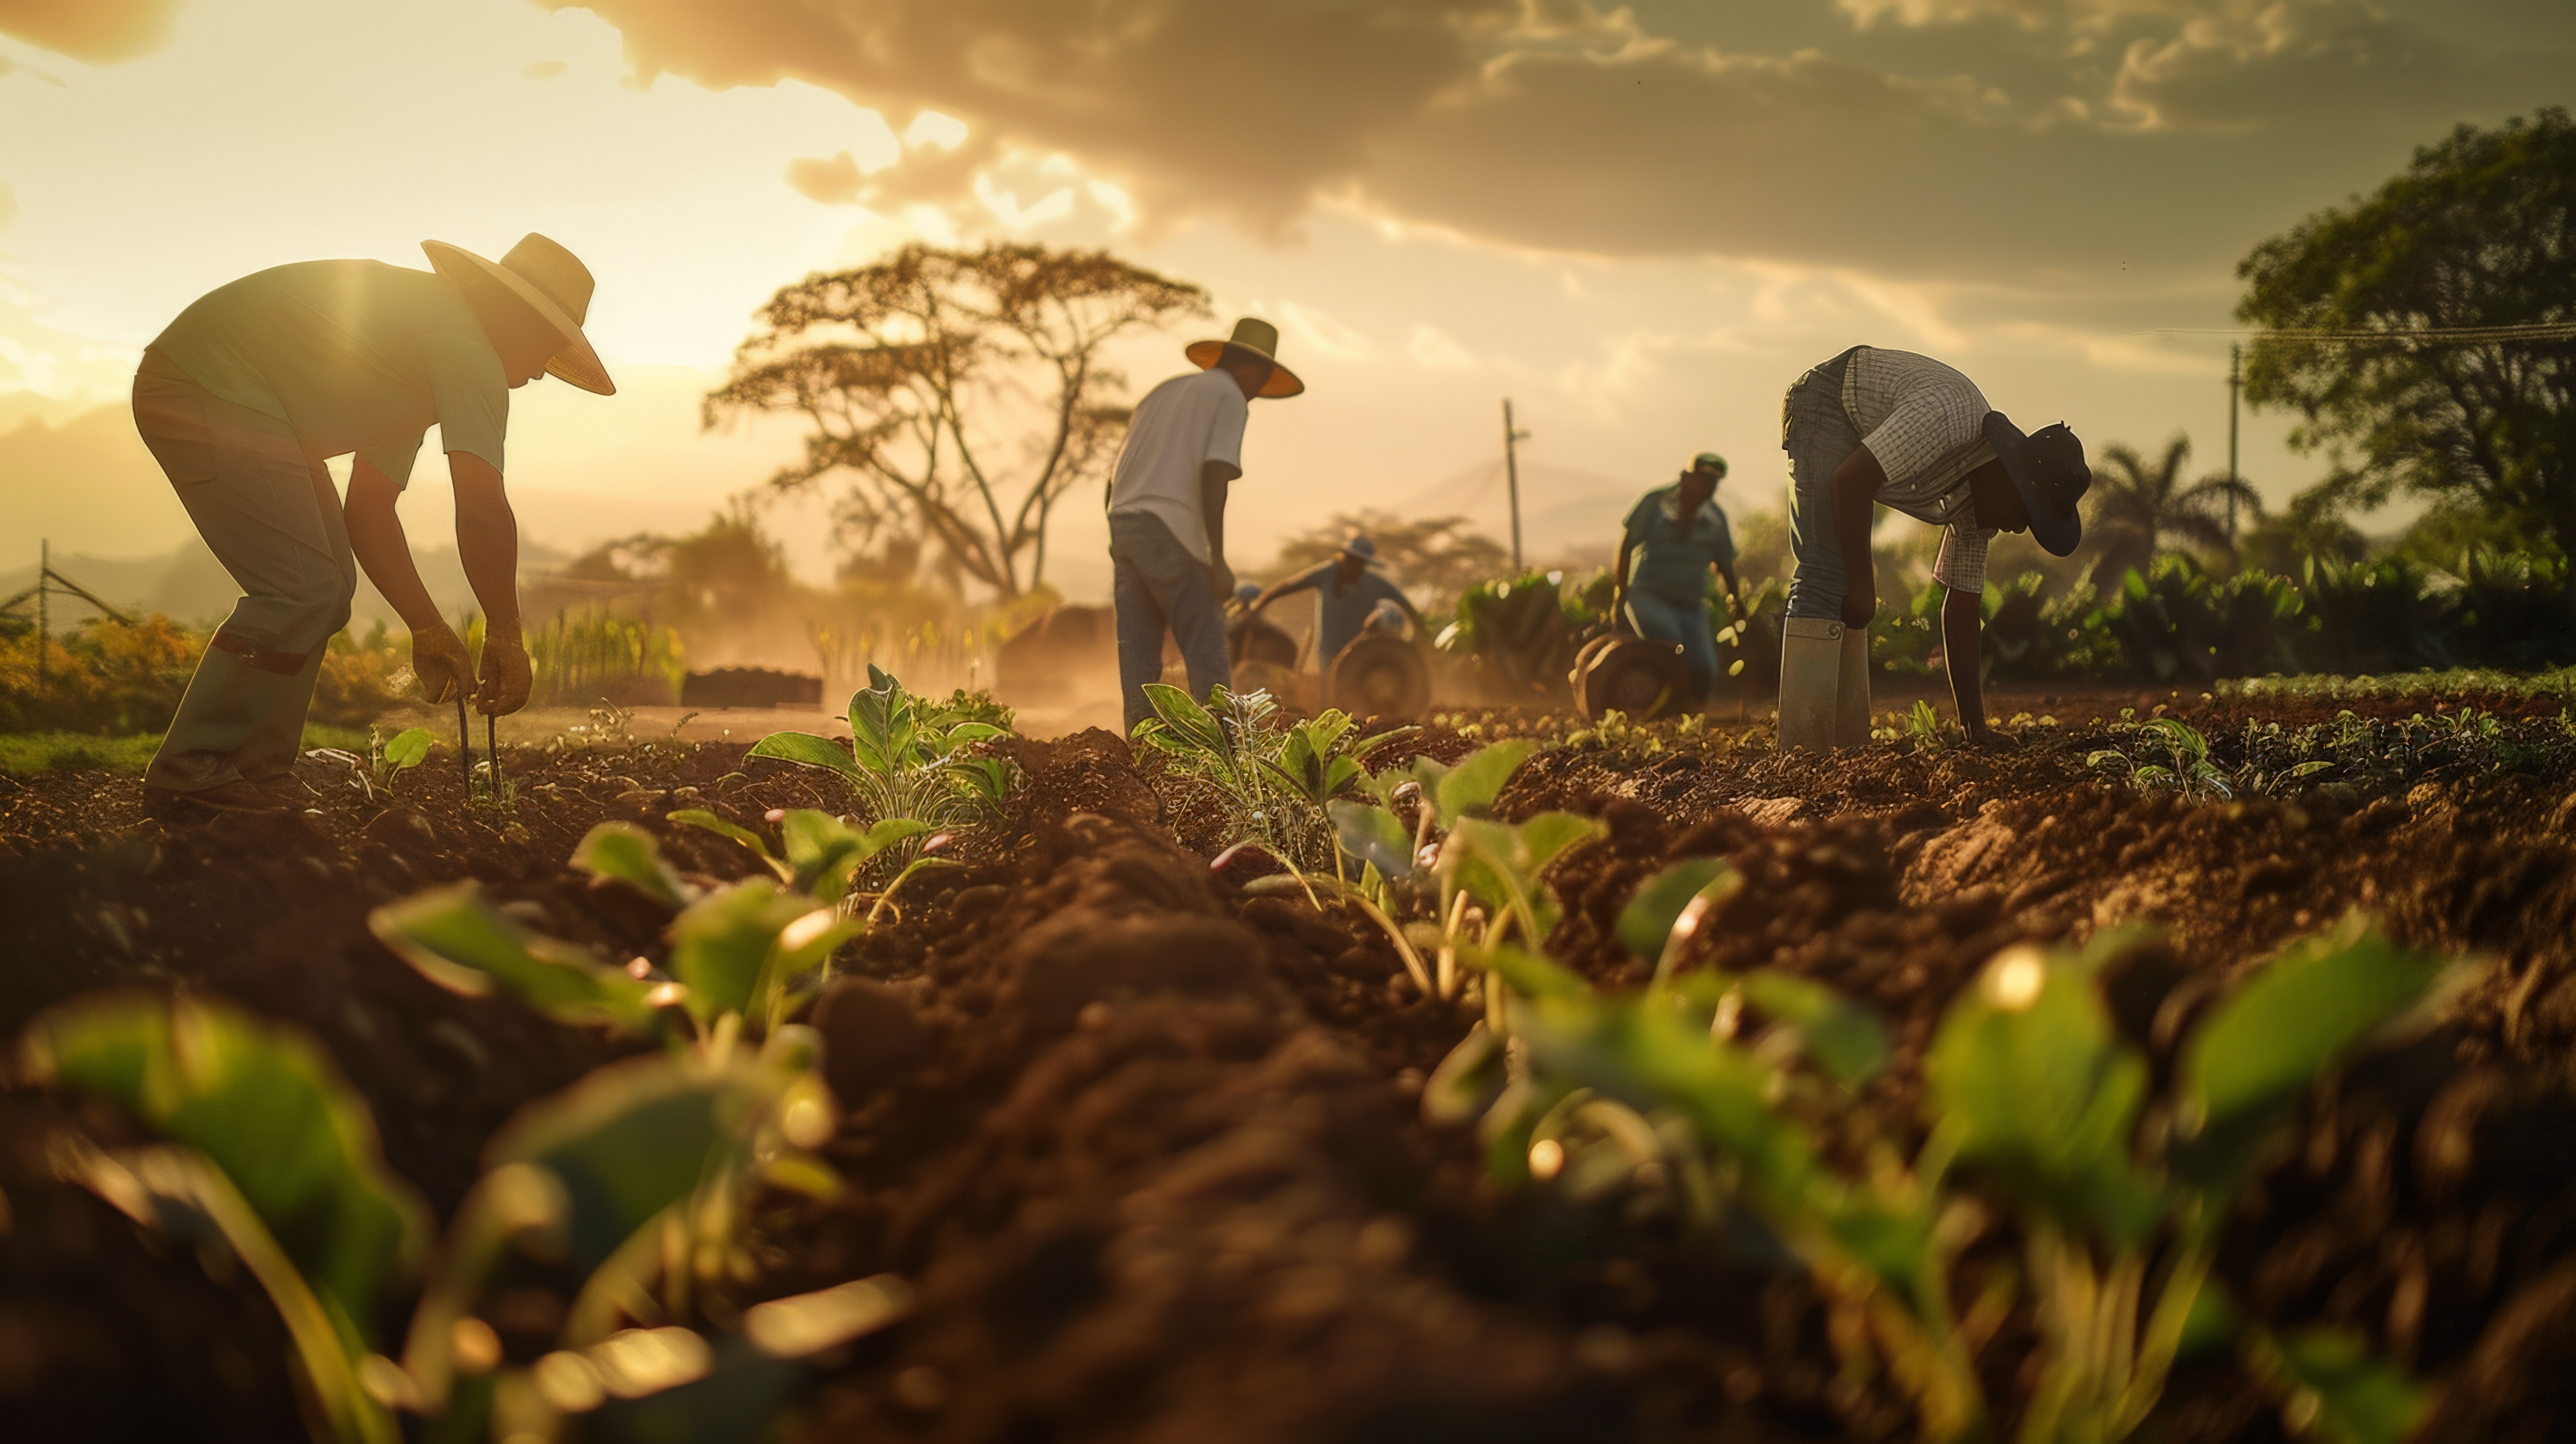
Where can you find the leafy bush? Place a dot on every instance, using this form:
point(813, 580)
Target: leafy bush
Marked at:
point(2032, 636)
point(2176, 624)
point(1273, 780)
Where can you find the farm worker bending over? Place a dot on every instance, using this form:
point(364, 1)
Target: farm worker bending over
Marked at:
point(1873, 427)
point(1347, 595)
point(1167, 510)
point(1675, 534)
point(258, 381)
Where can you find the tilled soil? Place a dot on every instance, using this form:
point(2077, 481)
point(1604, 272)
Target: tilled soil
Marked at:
point(1148, 1146)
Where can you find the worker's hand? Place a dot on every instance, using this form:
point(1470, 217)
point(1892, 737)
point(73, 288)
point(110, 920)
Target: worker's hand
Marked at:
point(1860, 605)
point(438, 659)
point(506, 676)
point(1223, 577)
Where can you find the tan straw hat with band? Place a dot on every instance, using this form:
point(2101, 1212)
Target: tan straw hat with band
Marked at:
point(553, 282)
point(1261, 339)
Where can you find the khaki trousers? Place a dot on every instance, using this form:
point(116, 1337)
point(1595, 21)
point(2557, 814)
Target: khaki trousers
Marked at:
point(270, 514)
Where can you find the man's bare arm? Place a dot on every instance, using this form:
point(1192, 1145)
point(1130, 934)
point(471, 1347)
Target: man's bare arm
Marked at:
point(376, 537)
point(1963, 651)
point(1856, 485)
point(1214, 478)
point(487, 540)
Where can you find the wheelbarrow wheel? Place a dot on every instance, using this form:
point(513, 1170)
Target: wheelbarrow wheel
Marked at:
point(1637, 678)
point(1379, 676)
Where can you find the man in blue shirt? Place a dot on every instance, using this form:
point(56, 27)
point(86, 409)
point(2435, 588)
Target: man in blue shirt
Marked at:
point(1346, 592)
point(1674, 535)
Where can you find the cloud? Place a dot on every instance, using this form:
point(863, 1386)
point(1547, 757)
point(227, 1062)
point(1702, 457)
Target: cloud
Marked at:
point(1436, 350)
point(2033, 140)
point(98, 31)
point(545, 70)
point(833, 182)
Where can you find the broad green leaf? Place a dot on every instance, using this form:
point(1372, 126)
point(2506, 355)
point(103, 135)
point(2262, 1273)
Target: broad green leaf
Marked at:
point(1846, 1039)
point(2266, 1043)
point(1499, 865)
point(631, 1139)
point(2338, 1391)
point(408, 748)
point(722, 943)
point(1530, 974)
point(824, 853)
point(266, 1108)
point(628, 853)
point(885, 725)
point(964, 734)
point(1646, 923)
point(456, 938)
point(1189, 722)
point(808, 749)
point(699, 817)
point(1372, 835)
point(1471, 786)
point(2038, 1092)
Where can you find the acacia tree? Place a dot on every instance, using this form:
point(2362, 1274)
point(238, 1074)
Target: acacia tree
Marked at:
point(2137, 506)
point(2479, 232)
point(958, 394)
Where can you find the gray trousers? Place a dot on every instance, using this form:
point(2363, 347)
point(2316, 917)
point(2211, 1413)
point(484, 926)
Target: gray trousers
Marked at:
point(1156, 585)
point(1819, 436)
point(271, 515)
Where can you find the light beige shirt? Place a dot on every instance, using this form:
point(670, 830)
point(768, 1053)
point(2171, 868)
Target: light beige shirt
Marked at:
point(1925, 424)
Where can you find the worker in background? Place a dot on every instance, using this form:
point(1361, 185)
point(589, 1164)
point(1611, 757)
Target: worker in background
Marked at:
point(1348, 590)
point(1674, 537)
point(1889, 428)
point(243, 397)
point(1167, 510)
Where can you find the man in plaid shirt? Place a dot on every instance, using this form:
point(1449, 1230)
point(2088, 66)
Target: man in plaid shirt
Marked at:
point(1871, 428)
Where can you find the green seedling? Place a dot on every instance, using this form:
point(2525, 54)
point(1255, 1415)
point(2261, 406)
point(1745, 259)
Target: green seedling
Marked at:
point(1275, 783)
point(268, 1151)
point(908, 759)
point(399, 754)
point(819, 854)
point(2182, 761)
point(2036, 1107)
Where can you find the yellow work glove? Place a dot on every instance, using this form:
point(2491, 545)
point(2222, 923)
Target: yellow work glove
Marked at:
point(506, 676)
point(438, 659)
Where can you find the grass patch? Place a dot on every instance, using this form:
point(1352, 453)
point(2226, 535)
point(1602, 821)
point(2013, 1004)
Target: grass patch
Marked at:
point(2558, 682)
point(28, 752)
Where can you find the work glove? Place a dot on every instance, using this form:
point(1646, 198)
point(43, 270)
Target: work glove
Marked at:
point(438, 659)
point(506, 676)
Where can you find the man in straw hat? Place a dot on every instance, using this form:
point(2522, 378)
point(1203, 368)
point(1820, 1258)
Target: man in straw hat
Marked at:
point(1167, 510)
point(1348, 593)
point(242, 398)
point(1874, 428)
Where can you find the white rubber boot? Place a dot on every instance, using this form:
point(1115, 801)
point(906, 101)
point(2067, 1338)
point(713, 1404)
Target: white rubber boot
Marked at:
point(1811, 666)
point(1851, 695)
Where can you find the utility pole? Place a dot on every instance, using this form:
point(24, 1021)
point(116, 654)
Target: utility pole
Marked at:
point(1512, 475)
point(2235, 385)
point(44, 617)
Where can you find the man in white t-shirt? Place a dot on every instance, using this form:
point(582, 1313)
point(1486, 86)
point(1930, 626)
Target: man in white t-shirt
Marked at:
point(1167, 510)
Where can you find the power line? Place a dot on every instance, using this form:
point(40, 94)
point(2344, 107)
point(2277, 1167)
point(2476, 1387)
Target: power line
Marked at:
point(2464, 335)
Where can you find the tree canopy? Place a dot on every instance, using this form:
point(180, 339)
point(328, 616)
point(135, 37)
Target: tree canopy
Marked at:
point(2479, 232)
point(957, 394)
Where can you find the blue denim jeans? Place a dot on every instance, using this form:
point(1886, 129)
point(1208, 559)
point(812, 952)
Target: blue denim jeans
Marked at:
point(1156, 585)
point(1818, 435)
point(1663, 619)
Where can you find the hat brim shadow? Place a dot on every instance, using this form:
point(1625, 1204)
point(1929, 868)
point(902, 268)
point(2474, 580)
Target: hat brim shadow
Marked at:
point(1283, 382)
point(2058, 531)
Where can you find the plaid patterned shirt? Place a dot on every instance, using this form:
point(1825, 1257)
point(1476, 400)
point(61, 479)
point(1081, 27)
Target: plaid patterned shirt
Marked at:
point(1925, 423)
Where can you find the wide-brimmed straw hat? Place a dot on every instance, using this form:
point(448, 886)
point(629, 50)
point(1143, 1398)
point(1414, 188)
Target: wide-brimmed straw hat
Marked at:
point(1261, 339)
point(553, 282)
point(2047, 467)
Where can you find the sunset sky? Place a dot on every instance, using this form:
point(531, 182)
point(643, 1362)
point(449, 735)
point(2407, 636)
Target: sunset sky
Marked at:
point(1639, 222)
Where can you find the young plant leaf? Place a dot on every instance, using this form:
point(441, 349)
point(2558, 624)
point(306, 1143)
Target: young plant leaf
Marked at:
point(409, 748)
point(2262, 1047)
point(808, 750)
point(699, 817)
point(1846, 1039)
point(628, 853)
point(458, 940)
point(1467, 1081)
point(2029, 1079)
point(267, 1110)
point(1646, 923)
point(1371, 834)
point(1469, 789)
point(721, 945)
point(1191, 723)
